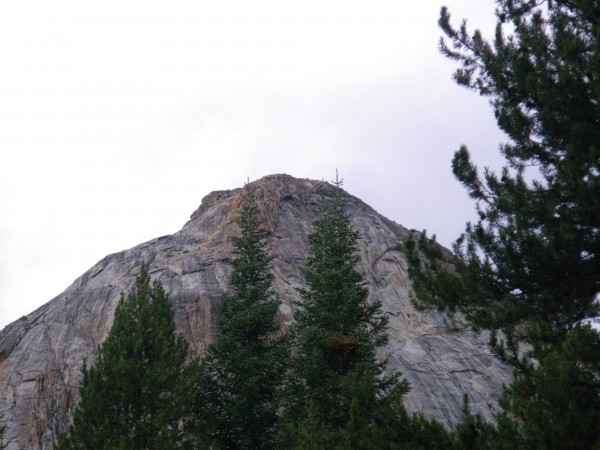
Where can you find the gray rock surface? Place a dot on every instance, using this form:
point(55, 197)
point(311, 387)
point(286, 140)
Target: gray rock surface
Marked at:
point(41, 355)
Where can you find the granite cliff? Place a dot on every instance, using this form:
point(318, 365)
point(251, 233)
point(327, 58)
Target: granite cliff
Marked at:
point(41, 355)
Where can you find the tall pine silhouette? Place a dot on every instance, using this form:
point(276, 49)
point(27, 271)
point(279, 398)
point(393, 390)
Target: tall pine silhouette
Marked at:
point(529, 269)
point(241, 374)
point(337, 395)
point(131, 396)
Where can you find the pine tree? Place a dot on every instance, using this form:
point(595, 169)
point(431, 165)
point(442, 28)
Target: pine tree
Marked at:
point(242, 371)
point(131, 397)
point(337, 395)
point(529, 269)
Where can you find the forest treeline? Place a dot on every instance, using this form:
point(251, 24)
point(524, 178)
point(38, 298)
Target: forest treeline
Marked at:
point(527, 271)
point(250, 390)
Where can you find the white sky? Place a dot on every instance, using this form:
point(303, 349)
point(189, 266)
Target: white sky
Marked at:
point(117, 117)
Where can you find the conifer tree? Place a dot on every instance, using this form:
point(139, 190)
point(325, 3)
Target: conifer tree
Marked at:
point(131, 398)
point(337, 395)
point(241, 374)
point(529, 269)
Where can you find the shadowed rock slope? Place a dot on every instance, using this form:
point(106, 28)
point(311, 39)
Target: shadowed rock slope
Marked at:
point(41, 355)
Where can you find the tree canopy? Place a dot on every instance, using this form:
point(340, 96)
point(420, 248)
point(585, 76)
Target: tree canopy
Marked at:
point(529, 269)
point(242, 370)
point(337, 393)
point(131, 396)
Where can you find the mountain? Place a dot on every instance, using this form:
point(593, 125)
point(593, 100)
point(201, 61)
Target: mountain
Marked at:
point(41, 355)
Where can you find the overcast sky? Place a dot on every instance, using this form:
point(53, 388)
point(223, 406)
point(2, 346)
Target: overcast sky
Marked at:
point(117, 117)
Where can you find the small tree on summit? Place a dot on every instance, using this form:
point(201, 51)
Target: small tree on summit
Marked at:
point(130, 398)
point(241, 374)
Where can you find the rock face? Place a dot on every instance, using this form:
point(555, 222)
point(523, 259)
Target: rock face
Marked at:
point(41, 356)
